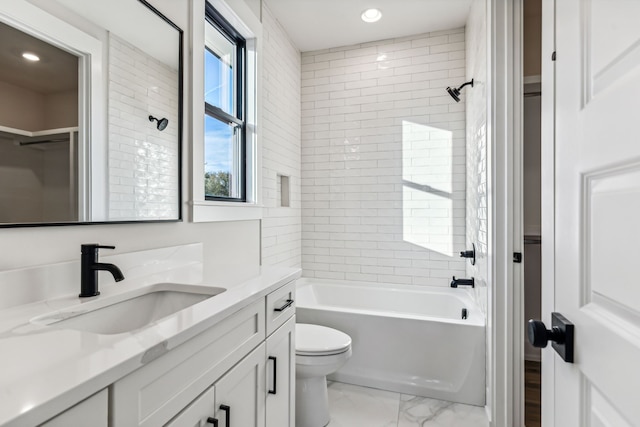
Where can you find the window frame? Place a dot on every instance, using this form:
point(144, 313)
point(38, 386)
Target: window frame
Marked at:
point(238, 121)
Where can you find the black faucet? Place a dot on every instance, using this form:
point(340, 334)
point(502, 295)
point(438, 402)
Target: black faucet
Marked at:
point(89, 267)
point(462, 282)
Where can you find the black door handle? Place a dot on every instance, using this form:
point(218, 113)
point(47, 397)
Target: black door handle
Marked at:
point(560, 334)
point(213, 421)
point(275, 373)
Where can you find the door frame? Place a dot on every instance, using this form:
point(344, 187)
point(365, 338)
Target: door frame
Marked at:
point(548, 201)
point(505, 332)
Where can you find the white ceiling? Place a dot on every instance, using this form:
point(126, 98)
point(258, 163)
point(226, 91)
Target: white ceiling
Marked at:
point(322, 24)
point(56, 71)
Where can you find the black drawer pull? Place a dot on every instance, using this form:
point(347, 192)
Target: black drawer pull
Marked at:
point(275, 373)
point(285, 306)
point(227, 416)
point(213, 421)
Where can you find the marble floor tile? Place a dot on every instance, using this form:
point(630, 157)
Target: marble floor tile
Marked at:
point(425, 412)
point(353, 406)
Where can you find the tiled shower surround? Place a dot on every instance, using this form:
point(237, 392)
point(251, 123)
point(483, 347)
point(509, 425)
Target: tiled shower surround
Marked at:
point(477, 187)
point(383, 161)
point(143, 162)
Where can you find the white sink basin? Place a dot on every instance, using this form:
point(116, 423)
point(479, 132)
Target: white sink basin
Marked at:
point(130, 310)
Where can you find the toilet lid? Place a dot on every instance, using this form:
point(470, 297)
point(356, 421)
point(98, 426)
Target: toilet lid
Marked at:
point(316, 340)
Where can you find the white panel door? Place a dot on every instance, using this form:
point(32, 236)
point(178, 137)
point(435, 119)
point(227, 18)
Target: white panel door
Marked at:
point(597, 211)
point(240, 394)
point(281, 376)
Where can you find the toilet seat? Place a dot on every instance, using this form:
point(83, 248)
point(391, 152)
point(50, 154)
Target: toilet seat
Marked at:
point(316, 340)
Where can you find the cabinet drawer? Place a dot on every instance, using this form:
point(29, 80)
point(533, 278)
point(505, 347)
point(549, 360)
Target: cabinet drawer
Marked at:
point(153, 394)
point(280, 306)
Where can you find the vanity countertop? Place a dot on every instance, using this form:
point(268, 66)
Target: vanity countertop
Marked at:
point(46, 370)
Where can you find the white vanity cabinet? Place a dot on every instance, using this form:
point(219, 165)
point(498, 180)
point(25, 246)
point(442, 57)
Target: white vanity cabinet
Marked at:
point(242, 370)
point(236, 399)
point(152, 395)
point(91, 411)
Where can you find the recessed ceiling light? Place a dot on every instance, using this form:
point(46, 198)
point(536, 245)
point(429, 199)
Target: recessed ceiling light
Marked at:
point(30, 56)
point(371, 15)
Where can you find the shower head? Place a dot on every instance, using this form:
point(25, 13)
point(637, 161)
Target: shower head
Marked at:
point(162, 123)
point(455, 92)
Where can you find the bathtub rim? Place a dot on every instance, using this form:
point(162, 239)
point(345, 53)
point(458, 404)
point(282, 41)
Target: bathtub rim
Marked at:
point(476, 317)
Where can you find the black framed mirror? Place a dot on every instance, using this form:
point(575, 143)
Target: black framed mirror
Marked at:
point(91, 113)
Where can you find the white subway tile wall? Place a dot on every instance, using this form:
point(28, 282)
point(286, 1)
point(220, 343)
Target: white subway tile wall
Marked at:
point(383, 161)
point(477, 156)
point(477, 209)
point(143, 161)
point(281, 225)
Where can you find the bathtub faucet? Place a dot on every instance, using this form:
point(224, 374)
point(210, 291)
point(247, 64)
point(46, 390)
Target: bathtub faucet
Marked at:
point(462, 282)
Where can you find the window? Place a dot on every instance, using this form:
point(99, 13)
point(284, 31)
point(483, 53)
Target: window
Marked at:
point(225, 151)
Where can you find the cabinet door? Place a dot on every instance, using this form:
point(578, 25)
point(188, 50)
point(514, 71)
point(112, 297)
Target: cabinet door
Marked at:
point(240, 393)
point(198, 413)
point(281, 376)
point(92, 411)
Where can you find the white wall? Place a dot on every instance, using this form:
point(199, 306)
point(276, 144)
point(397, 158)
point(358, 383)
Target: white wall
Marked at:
point(21, 108)
point(61, 109)
point(226, 245)
point(477, 220)
point(383, 160)
point(281, 225)
point(25, 109)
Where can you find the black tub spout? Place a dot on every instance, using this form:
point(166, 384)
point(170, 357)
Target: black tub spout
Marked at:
point(462, 282)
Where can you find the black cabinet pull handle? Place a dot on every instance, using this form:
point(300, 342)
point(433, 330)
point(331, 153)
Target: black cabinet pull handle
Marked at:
point(285, 306)
point(275, 373)
point(213, 421)
point(227, 416)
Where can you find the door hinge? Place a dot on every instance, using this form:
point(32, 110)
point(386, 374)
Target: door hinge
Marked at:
point(517, 257)
point(553, 56)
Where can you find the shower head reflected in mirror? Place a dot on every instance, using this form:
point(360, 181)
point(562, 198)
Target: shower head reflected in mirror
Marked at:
point(455, 92)
point(162, 123)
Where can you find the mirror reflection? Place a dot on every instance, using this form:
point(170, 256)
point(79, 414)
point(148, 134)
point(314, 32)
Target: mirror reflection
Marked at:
point(88, 132)
point(38, 130)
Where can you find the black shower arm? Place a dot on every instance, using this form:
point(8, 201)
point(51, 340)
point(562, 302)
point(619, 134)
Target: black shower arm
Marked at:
point(467, 83)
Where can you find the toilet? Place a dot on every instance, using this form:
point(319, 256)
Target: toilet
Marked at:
point(320, 351)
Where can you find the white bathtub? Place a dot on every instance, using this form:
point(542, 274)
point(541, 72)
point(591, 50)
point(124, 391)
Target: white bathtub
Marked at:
point(406, 339)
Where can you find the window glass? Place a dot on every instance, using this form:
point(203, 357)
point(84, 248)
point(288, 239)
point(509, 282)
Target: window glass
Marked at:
point(219, 68)
point(222, 169)
point(224, 144)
